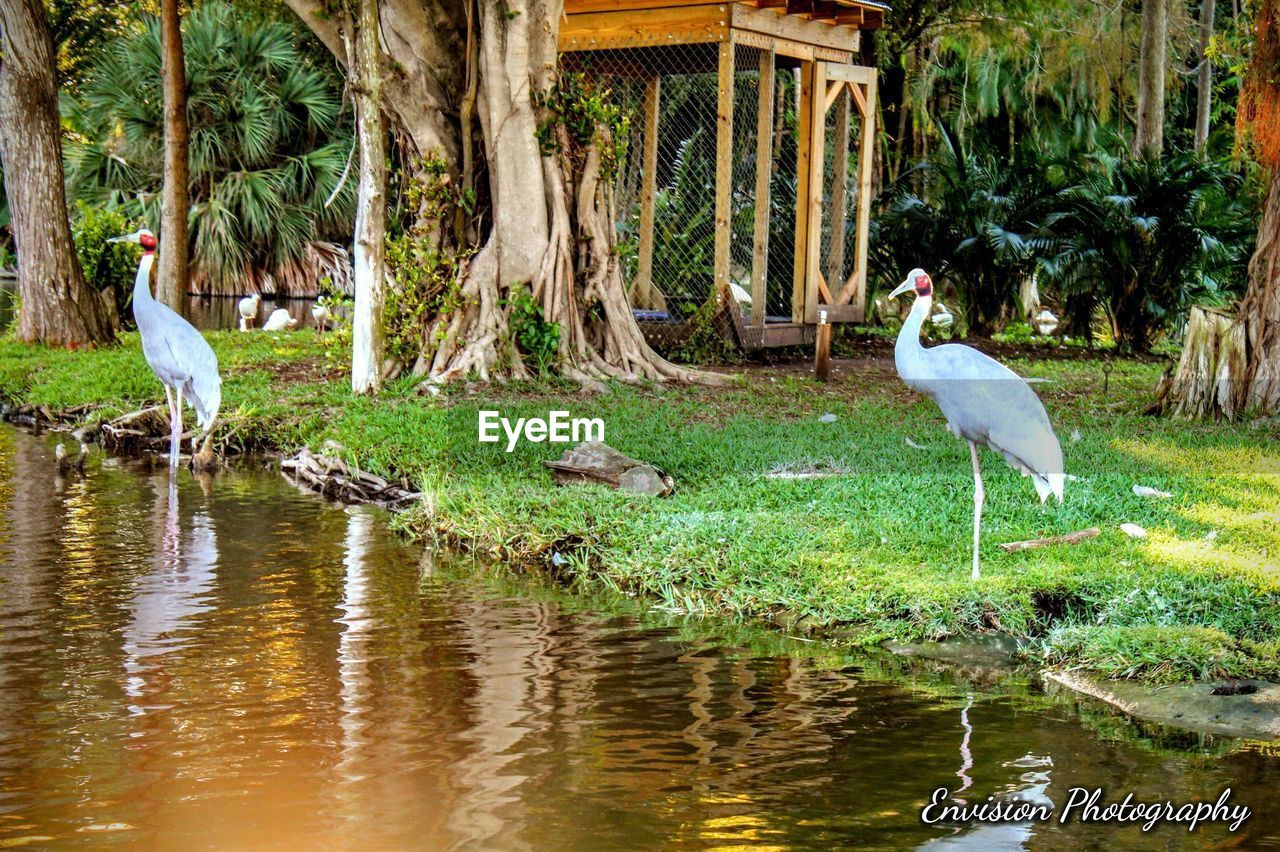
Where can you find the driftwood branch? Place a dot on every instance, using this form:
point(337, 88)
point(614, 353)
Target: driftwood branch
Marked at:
point(334, 478)
point(1069, 538)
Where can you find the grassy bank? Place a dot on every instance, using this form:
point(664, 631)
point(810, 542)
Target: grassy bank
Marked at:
point(880, 546)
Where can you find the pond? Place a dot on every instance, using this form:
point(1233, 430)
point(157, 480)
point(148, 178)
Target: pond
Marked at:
point(207, 313)
point(232, 662)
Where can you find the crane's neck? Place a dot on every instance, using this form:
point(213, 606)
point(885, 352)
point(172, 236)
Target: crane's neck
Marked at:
point(909, 335)
point(908, 353)
point(142, 284)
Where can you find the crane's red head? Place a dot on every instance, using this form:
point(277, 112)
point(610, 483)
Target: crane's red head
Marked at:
point(918, 280)
point(142, 237)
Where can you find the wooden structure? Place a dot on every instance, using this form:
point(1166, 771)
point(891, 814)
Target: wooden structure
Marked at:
point(806, 49)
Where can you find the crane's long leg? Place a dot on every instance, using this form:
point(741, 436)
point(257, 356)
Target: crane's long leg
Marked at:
point(978, 497)
point(175, 423)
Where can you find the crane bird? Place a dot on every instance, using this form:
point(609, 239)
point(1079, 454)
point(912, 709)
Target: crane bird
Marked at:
point(320, 313)
point(279, 321)
point(984, 402)
point(248, 308)
point(178, 354)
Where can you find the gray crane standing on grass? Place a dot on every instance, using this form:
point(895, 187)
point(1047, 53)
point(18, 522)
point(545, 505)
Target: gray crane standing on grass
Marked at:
point(178, 354)
point(984, 402)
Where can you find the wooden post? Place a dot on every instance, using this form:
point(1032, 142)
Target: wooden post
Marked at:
point(866, 157)
point(642, 292)
point(817, 147)
point(724, 171)
point(822, 348)
point(803, 145)
point(839, 190)
point(764, 172)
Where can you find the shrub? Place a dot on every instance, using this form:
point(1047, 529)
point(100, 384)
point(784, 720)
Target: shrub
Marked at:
point(108, 267)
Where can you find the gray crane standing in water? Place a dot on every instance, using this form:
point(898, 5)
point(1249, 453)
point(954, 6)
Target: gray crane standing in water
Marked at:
point(984, 402)
point(178, 354)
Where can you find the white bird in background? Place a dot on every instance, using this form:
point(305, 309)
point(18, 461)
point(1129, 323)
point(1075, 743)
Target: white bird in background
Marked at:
point(279, 321)
point(984, 402)
point(320, 313)
point(178, 354)
point(943, 318)
point(1046, 322)
point(248, 307)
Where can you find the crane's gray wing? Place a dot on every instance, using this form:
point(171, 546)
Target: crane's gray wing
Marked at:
point(182, 358)
point(986, 402)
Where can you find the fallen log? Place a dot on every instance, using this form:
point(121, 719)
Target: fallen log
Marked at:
point(334, 478)
point(1069, 538)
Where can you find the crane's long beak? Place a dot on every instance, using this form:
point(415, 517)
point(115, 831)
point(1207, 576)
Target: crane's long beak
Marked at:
point(124, 238)
point(902, 288)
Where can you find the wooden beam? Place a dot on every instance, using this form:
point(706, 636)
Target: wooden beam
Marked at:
point(647, 28)
point(813, 233)
point(822, 349)
point(724, 172)
point(866, 155)
point(764, 172)
point(642, 291)
point(823, 292)
point(860, 74)
point(789, 48)
point(850, 17)
point(816, 10)
point(833, 91)
point(803, 190)
point(578, 7)
point(816, 33)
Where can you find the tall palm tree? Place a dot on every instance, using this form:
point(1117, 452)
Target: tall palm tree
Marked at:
point(267, 148)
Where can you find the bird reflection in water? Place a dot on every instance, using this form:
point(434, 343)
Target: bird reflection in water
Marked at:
point(169, 596)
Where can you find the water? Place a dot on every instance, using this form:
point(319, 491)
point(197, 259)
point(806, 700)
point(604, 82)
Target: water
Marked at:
point(234, 663)
point(207, 313)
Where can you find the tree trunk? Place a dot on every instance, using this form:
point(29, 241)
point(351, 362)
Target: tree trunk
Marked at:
point(371, 208)
point(1242, 354)
point(171, 283)
point(1230, 365)
point(1148, 138)
point(57, 307)
point(548, 215)
point(1204, 80)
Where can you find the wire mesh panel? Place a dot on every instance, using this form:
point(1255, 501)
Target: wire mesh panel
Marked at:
point(665, 186)
point(842, 136)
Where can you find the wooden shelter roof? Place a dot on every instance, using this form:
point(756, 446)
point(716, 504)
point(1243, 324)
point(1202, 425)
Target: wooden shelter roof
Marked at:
point(850, 14)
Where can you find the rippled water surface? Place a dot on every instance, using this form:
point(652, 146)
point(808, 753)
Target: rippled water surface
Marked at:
point(233, 663)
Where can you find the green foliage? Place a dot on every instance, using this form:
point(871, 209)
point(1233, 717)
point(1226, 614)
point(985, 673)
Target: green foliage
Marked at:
point(1147, 238)
point(80, 29)
point(267, 146)
point(427, 285)
point(707, 342)
point(984, 221)
point(107, 266)
point(538, 340)
point(589, 115)
point(1140, 239)
point(1153, 653)
point(427, 279)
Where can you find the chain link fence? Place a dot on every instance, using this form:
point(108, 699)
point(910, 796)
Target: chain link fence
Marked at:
point(665, 182)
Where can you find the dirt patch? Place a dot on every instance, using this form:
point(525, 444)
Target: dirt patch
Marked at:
point(303, 371)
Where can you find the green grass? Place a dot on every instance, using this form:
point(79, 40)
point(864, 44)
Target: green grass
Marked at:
point(882, 547)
